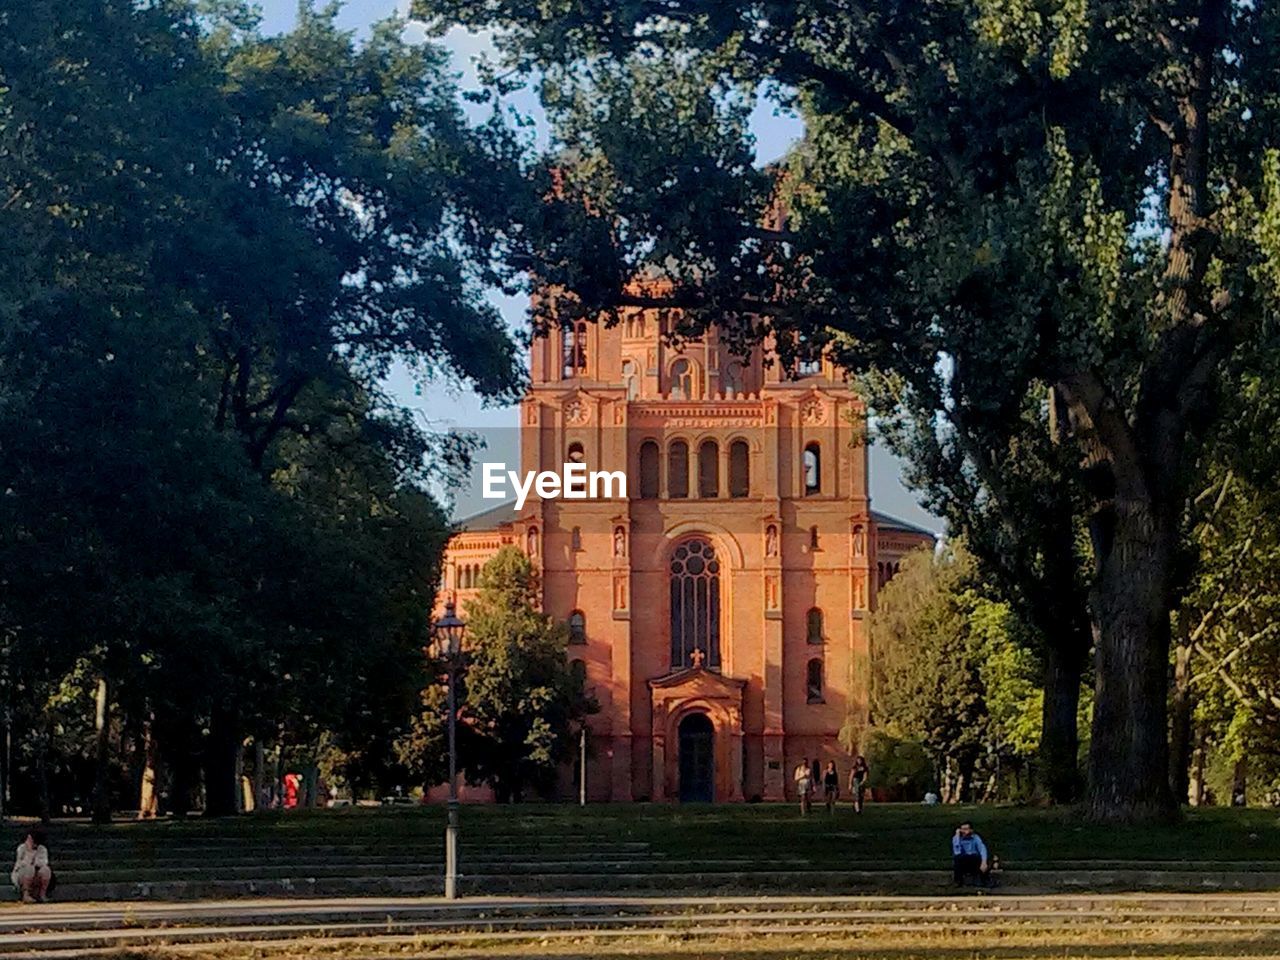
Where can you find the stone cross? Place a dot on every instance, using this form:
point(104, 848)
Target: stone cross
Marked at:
point(696, 658)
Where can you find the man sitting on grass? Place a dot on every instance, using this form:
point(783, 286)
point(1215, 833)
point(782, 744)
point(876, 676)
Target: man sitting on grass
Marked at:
point(969, 856)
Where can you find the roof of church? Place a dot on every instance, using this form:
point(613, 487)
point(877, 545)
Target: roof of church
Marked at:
point(495, 517)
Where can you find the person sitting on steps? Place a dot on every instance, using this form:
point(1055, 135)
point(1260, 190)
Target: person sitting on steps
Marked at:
point(31, 872)
point(969, 856)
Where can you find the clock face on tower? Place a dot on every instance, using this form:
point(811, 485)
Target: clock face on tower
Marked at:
point(813, 412)
point(576, 413)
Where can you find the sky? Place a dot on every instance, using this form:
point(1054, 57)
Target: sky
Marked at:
point(442, 407)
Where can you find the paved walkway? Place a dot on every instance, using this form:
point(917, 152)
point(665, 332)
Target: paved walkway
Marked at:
point(57, 930)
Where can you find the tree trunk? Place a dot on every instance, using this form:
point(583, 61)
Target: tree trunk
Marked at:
point(260, 780)
point(1129, 752)
point(1064, 663)
point(178, 747)
point(220, 782)
point(148, 799)
point(1181, 707)
point(1195, 790)
point(102, 753)
point(42, 772)
point(1240, 783)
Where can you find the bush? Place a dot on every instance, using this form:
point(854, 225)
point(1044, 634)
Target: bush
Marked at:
point(899, 766)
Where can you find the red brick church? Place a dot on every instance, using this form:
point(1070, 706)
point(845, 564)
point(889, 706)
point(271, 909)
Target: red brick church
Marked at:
point(719, 611)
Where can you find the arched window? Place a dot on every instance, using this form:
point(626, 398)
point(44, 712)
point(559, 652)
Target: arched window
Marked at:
point(684, 380)
point(709, 469)
point(813, 625)
point(575, 350)
point(575, 538)
point(574, 454)
point(812, 470)
point(739, 469)
point(631, 378)
point(813, 539)
point(577, 627)
point(813, 681)
point(678, 470)
point(732, 380)
point(649, 470)
point(695, 604)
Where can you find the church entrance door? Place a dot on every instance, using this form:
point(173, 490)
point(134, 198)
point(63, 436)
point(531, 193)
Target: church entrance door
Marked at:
point(697, 759)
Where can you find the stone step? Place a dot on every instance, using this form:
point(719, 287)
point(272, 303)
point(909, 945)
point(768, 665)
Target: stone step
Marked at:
point(485, 922)
point(694, 881)
point(477, 865)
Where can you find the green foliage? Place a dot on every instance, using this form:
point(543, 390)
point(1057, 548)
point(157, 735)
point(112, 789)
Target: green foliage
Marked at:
point(520, 704)
point(1227, 624)
point(1045, 226)
point(213, 244)
point(899, 766)
point(950, 675)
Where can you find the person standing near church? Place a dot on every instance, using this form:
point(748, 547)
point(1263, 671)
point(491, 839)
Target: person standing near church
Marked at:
point(830, 786)
point(858, 781)
point(804, 785)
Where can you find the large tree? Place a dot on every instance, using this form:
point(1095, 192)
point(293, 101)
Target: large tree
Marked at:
point(214, 244)
point(521, 702)
point(995, 202)
point(950, 672)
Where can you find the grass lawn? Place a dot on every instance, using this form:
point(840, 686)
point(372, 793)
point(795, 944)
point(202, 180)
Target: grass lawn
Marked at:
point(886, 836)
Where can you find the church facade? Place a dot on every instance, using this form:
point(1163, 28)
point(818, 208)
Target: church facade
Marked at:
point(718, 612)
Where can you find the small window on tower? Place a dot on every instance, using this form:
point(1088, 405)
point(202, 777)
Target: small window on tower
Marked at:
point(732, 381)
point(813, 625)
point(678, 470)
point(739, 469)
point(575, 538)
point(812, 470)
point(631, 379)
point(684, 381)
point(575, 350)
point(709, 470)
point(649, 470)
point(813, 684)
point(577, 627)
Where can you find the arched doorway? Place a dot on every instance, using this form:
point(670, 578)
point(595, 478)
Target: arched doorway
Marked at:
point(697, 759)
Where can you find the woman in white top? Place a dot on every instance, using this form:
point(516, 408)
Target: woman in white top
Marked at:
point(31, 873)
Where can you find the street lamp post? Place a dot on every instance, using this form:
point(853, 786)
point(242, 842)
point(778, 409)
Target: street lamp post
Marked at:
point(447, 634)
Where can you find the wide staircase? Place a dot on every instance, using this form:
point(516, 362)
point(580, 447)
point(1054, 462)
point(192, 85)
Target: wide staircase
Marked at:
point(549, 853)
point(1058, 925)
